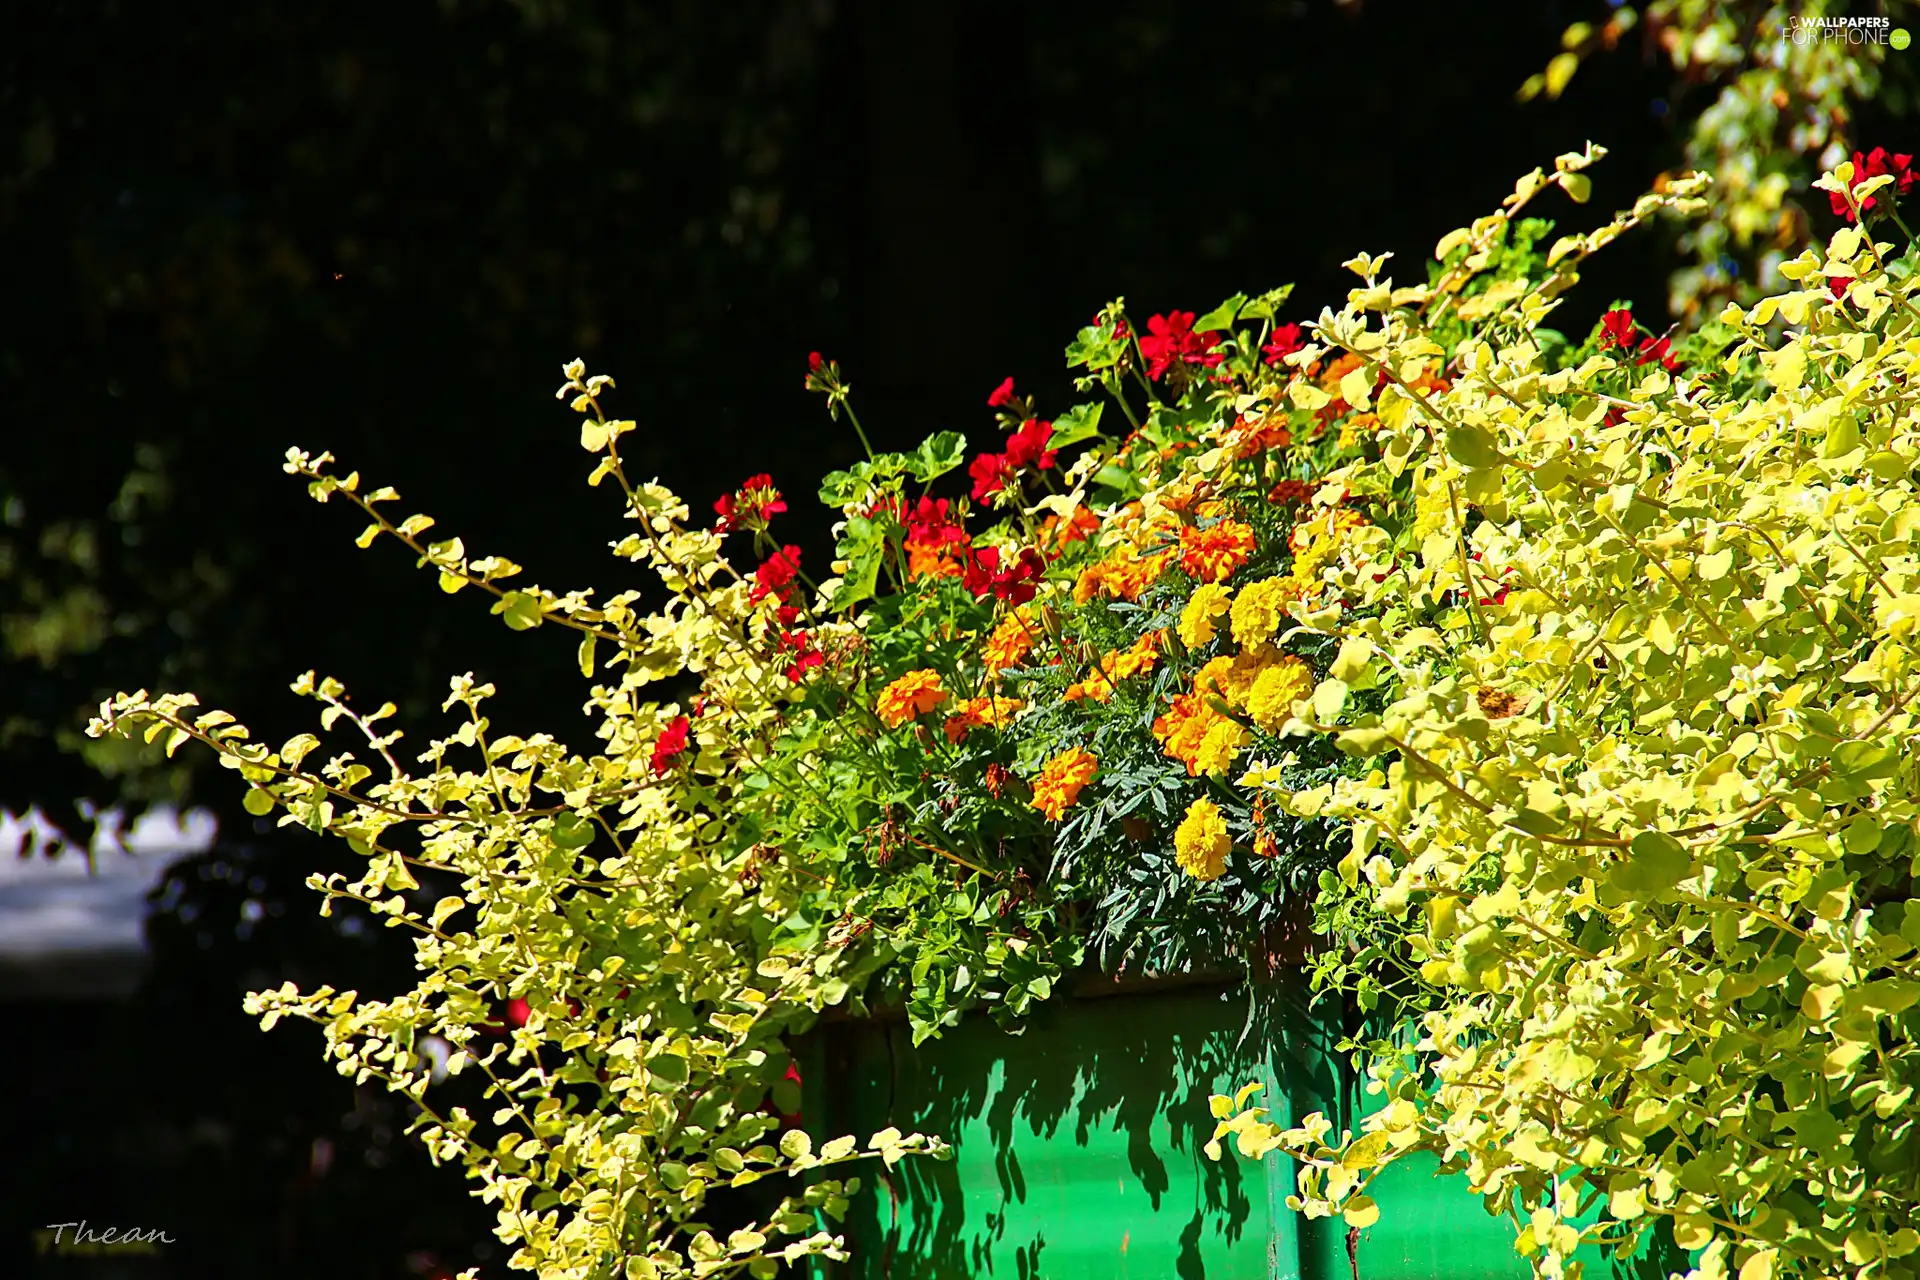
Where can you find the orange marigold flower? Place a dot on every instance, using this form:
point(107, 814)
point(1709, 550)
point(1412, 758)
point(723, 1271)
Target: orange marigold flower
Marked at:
point(933, 559)
point(1213, 553)
point(1010, 643)
point(1193, 732)
point(1118, 665)
point(1121, 576)
point(1057, 534)
point(1061, 779)
point(991, 712)
point(1250, 436)
point(913, 694)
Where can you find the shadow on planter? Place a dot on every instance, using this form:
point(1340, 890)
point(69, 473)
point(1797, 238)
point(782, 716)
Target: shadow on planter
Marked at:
point(1078, 1150)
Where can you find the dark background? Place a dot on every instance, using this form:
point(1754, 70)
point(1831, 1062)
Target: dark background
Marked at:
point(380, 228)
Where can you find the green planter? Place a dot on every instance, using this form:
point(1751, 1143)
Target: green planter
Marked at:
point(1078, 1150)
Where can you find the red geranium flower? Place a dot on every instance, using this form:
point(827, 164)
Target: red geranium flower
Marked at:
point(1872, 165)
point(1014, 582)
point(1285, 341)
point(806, 656)
point(1027, 447)
point(1616, 329)
point(775, 576)
point(1660, 349)
point(754, 503)
point(1171, 337)
point(1838, 286)
point(990, 474)
point(670, 744)
point(1002, 395)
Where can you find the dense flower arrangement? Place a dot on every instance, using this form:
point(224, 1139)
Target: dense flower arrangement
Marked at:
point(1639, 837)
point(1396, 573)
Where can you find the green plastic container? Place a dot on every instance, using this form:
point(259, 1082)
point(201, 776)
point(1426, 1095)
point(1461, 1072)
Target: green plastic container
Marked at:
point(1078, 1150)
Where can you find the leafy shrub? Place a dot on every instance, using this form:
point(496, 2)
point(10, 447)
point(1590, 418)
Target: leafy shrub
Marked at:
point(1644, 827)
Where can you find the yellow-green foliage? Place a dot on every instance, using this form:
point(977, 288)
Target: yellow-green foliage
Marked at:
point(605, 892)
point(1785, 92)
point(1649, 824)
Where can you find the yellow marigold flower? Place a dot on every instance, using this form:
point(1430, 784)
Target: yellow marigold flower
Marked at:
point(1197, 619)
point(1258, 611)
point(1231, 679)
point(913, 694)
point(992, 712)
point(1213, 553)
point(1201, 841)
point(1060, 780)
point(1010, 642)
point(1281, 684)
point(1224, 739)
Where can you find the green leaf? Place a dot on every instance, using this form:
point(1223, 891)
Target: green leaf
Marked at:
point(571, 831)
point(1222, 316)
point(1095, 348)
point(1656, 862)
point(1472, 447)
point(1267, 305)
point(862, 576)
point(257, 802)
point(520, 610)
point(838, 488)
point(1082, 422)
point(937, 455)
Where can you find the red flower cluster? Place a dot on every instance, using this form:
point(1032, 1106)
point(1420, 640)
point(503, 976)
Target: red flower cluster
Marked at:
point(1027, 447)
point(775, 577)
point(1002, 395)
point(671, 744)
point(934, 537)
point(1015, 582)
point(754, 503)
point(1874, 164)
point(1285, 341)
point(806, 654)
point(1617, 329)
point(1171, 337)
